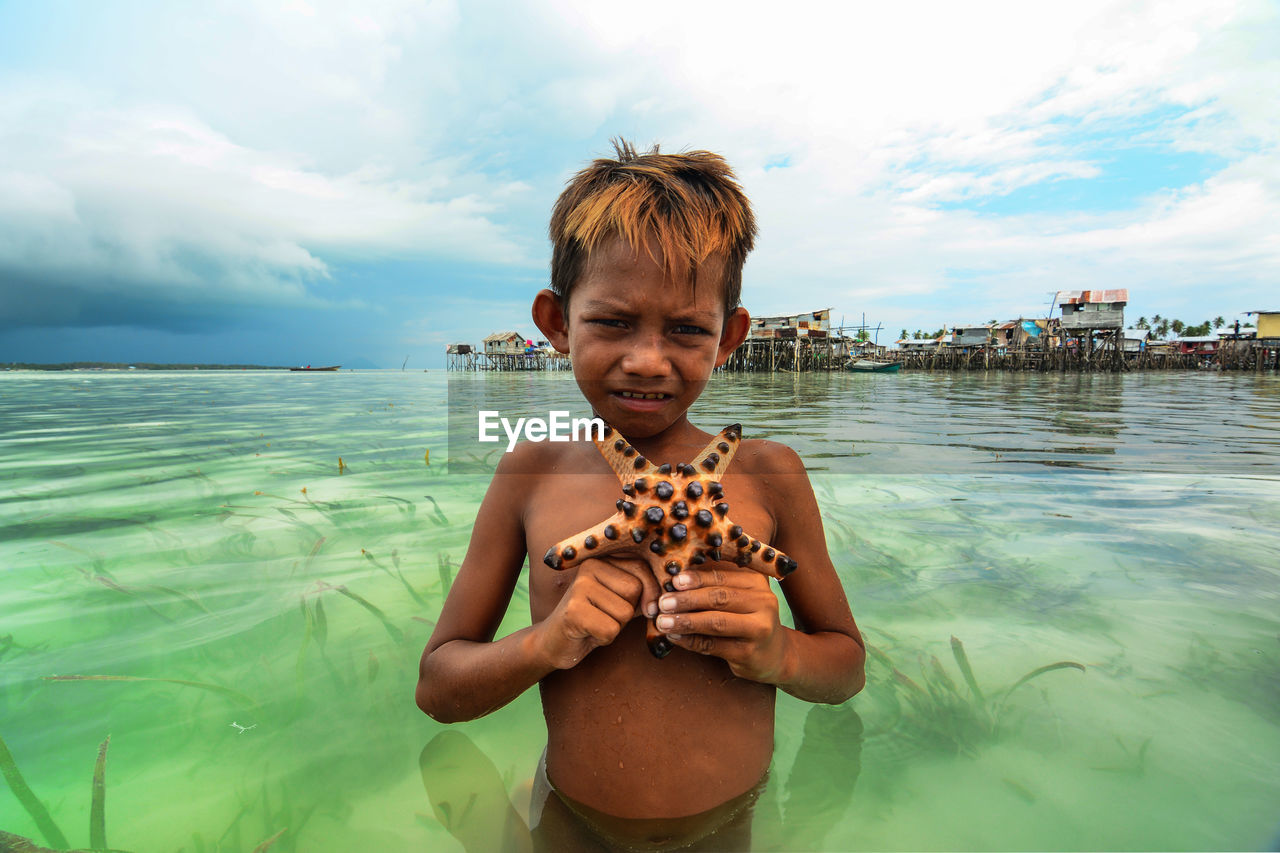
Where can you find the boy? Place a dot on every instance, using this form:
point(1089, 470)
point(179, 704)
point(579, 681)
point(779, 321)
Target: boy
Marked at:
point(648, 251)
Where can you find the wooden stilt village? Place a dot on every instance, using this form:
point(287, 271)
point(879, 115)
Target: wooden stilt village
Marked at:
point(505, 351)
point(1089, 335)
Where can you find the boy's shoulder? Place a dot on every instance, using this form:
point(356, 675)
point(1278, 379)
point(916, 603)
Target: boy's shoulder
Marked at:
point(762, 456)
point(535, 458)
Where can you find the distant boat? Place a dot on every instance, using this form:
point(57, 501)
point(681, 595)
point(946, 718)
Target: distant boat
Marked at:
point(866, 365)
point(310, 369)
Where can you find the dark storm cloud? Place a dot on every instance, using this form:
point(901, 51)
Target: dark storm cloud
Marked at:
point(32, 299)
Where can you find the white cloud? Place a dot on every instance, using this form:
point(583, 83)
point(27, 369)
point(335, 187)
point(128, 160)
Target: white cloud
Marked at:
point(886, 113)
point(151, 197)
point(269, 139)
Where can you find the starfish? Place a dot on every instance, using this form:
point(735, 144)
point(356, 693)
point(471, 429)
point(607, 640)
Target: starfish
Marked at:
point(680, 512)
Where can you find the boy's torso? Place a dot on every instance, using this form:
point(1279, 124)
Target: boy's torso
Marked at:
point(629, 734)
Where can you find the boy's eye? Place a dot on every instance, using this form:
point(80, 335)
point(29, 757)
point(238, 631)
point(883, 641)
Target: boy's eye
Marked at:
point(605, 321)
point(687, 329)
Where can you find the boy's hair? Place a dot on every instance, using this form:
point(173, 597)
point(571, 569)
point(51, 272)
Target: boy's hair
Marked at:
point(691, 205)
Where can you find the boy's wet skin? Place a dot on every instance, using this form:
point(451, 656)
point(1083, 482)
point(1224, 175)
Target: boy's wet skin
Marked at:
point(630, 735)
point(683, 734)
point(688, 734)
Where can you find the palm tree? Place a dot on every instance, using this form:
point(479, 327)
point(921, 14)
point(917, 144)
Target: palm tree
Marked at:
point(903, 336)
point(1218, 322)
point(1141, 324)
point(1177, 326)
point(1162, 328)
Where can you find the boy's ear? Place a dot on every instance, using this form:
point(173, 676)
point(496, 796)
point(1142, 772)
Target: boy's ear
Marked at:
point(548, 316)
point(733, 334)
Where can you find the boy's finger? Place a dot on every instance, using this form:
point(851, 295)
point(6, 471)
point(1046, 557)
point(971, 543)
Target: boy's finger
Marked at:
point(730, 599)
point(619, 608)
point(703, 578)
point(714, 623)
point(721, 647)
point(649, 592)
point(598, 627)
point(639, 570)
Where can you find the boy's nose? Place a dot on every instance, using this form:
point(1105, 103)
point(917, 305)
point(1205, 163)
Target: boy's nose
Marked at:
point(647, 358)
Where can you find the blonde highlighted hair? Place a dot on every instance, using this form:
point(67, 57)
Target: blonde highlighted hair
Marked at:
point(689, 205)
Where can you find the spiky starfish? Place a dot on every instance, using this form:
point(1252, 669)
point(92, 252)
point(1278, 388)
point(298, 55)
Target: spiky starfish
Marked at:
point(679, 512)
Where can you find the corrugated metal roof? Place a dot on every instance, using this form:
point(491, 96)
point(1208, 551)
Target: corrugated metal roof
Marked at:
point(1080, 297)
point(502, 336)
point(822, 315)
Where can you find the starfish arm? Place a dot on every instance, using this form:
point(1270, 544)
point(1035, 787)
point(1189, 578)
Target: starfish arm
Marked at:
point(714, 460)
point(612, 534)
point(751, 553)
point(624, 459)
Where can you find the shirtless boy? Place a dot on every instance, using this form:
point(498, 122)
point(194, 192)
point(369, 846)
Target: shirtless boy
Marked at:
point(648, 251)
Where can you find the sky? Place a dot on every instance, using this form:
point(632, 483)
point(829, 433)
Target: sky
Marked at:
point(363, 183)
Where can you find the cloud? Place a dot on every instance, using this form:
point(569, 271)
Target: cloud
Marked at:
point(244, 157)
point(151, 204)
point(900, 123)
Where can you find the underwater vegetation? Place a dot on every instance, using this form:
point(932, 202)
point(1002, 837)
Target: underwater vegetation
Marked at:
point(284, 811)
point(1249, 676)
point(184, 583)
point(234, 695)
point(936, 714)
point(44, 822)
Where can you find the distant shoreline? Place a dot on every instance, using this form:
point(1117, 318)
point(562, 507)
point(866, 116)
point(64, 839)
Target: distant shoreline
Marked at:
point(134, 365)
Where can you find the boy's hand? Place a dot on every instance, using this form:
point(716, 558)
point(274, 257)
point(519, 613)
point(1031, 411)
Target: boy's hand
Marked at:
point(606, 594)
point(730, 614)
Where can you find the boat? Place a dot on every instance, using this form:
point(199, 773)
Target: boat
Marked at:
point(866, 365)
point(310, 369)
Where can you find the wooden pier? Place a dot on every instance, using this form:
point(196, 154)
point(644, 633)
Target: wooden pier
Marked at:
point(768, 355)
point(505, 352)
point(1243, 355)
point(506, 362)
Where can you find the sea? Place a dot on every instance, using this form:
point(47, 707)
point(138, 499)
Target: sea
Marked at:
point(215, 588)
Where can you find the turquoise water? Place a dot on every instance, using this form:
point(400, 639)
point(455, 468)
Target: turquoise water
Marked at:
point(195, 529)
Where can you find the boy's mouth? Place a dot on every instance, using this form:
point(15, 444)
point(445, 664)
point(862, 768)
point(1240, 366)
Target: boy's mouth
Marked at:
point(642, 401)
point(637, 395)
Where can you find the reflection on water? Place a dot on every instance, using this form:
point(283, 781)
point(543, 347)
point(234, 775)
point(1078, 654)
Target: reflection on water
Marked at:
point(925, 423)
point(259, 611)
point(922, 423)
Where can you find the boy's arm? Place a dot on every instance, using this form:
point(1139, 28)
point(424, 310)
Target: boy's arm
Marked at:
point(733, 614)
point(464, 673)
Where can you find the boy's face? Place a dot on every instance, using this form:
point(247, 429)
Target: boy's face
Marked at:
point(643, 344)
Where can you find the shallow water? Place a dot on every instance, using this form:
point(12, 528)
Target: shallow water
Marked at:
point(195, 527)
